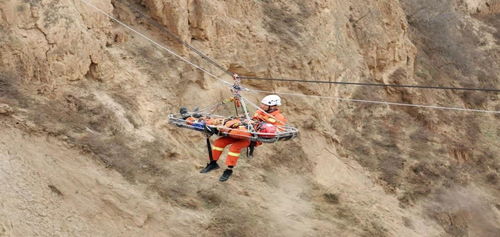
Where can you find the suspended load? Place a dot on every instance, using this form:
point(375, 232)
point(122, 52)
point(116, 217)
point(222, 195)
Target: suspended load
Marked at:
point(238, 126)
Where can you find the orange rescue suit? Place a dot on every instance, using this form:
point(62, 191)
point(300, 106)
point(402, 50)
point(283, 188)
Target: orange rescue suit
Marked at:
point(234, 149)
point(277, 119)
point(238, 139)
point(236, 129)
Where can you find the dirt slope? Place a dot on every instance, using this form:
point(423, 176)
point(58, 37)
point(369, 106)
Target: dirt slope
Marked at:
point(49, 189)
point(86, 150)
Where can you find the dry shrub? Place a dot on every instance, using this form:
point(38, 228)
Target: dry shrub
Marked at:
point(375, 229)
point(391, 167)
point(211, 199)
point(420, 179)
point(345, 213)
point(6, 88)
point(437, 22)
point(292, 157)
point(114, 152)
point(331, 198)
point(94, 127)
point(463, 211)
point(285, 24)
point(55, 190)
point(74, 114)
point(475, 99)
point(177, 192)
point(9, 92)
point(236, 221)
point(492, 178)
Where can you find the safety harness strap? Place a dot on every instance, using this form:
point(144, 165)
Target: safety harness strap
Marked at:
point(209, 148)
point(251, 149)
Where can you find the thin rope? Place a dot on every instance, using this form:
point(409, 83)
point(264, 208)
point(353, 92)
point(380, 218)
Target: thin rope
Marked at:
point(175, 37)
point(220, 67)
point(292, 94)
point(153, 42)
point(371, 84)
point(379, 102)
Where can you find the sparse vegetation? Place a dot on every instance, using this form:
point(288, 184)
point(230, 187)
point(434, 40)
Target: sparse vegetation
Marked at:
point(356, 169)
point(331, 198)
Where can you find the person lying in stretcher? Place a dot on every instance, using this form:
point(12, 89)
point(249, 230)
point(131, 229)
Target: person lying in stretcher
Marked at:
point(266, 122)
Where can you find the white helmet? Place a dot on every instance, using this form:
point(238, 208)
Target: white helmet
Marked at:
point(271, 100)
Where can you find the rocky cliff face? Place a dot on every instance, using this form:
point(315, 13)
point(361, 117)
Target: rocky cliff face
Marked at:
point(362, 169)
point(44, 40)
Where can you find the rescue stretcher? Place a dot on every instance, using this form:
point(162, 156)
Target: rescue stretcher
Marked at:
point(283, 133)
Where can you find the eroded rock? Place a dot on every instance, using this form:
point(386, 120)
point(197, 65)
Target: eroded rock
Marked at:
point(5, 109)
